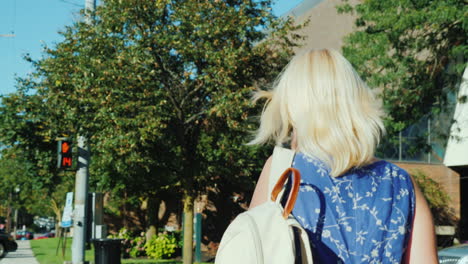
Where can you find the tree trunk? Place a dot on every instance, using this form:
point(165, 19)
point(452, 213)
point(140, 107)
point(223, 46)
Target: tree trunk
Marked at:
point(187, 252)
point(58, 217)
point(8, 217)
point(124, 218)
point(153, 210)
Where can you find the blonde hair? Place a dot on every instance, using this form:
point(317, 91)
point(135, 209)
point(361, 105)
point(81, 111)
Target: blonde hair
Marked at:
point(335, 115)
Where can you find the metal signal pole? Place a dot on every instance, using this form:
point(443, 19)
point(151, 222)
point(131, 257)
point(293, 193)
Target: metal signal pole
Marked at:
point(81, 197)
point(81, 182)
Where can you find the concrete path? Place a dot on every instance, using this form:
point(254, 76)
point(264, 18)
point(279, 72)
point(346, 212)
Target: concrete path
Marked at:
point(23, 255)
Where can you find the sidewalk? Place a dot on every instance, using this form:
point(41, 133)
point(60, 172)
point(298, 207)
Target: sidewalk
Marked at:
point(23, 255)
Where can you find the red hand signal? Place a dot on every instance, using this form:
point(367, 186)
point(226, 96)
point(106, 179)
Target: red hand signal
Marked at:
point(65, 147)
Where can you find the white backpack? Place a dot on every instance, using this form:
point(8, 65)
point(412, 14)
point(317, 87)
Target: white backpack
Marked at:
point(265, 233)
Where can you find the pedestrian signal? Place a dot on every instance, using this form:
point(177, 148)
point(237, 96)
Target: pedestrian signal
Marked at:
point(65, 157)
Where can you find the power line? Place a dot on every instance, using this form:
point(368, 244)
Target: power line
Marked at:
point(72, 3)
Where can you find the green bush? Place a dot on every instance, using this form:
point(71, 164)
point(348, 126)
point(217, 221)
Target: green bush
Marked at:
point(132, 246)
point(162, 246)
point(437, 199)
point(138, 247)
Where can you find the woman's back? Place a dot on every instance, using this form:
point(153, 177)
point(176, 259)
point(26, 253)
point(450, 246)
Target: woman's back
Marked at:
point(322, 108)
point(363, 216)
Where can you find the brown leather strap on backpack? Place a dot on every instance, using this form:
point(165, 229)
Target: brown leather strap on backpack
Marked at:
point(292, 194)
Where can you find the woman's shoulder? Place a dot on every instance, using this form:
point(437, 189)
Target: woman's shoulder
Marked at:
point(377, 163)
point(377, 167)
point(387, 170)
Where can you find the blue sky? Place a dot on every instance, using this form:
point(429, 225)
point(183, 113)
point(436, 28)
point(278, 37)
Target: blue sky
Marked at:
point(36, 23)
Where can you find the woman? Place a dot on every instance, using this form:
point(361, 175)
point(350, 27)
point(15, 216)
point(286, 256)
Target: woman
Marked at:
point(355, 208)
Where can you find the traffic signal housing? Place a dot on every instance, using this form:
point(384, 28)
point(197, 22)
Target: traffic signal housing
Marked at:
point(65, 157)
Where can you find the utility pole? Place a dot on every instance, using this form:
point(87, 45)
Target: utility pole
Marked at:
point(81, 181)
point(8, 226)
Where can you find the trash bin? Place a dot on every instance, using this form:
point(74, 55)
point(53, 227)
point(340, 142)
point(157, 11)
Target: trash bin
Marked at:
point(107, 251)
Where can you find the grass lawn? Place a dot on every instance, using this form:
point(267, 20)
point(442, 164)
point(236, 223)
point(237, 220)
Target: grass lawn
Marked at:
point(45, 252)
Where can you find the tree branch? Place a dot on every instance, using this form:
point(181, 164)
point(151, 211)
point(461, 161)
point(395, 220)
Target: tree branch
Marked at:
point(193, 117)
point(167, 86)
point(192, 92)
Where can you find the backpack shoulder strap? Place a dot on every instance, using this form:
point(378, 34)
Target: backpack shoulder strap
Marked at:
point(282, 159)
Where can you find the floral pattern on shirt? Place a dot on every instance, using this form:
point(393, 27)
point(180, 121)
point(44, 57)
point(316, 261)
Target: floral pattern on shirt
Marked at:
point(363, 216)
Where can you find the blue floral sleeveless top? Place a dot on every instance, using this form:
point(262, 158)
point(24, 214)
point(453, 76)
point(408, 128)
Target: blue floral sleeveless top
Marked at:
point(364, 216)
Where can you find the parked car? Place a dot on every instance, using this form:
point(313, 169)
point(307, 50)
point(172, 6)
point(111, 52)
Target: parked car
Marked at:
point(24, 235)
point(45, 223)
point(7, 244)
point(46, 235)
point(454, 255)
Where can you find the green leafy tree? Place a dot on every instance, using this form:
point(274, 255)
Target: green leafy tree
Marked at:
point(28, 157)
point(413, 50)
point(161, 89)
